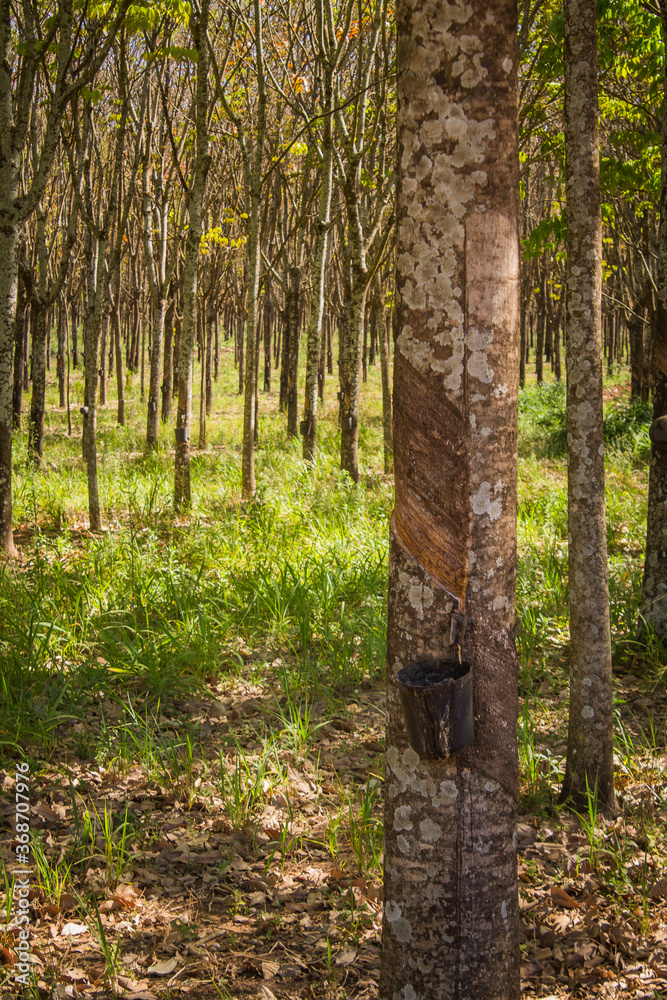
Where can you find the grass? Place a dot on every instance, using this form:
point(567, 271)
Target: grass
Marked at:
point(284, 596)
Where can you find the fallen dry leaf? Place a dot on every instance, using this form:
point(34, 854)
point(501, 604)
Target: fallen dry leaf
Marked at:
point(72, 929)
point(562, 898)
point(346, 956)
point(163, 968)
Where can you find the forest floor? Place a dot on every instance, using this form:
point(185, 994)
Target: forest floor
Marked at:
point(200, 704)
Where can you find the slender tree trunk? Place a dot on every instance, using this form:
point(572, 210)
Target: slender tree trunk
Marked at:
point(21, 324)
point(314, 333)
point(541, 328)
point(37, 400)
point(142, 350)
point(209, 334)
point(451, 920)
point(653, 605)
point(294, 317)
point(103, 361)
point(8, 291)
point(95, 250)
point(381, 330)
point(321, 369)
point(120, 380)
point(205, 332)
point(589, 762)
point(216, 326)
point(248, 454)
point(167, 376)
point(284, 353)
point(178, 331)
point(155, 378)
point(349, 436)
point(182, 489)
point(60, 358)
point(267, 319)
point(74, 326)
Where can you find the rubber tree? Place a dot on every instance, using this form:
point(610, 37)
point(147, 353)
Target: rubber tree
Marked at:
point(366, 232)
point(43, 293)
point(104, 207)
point(329, 49)
point(250, 137)
point(194, 198)
point(590, 747)
point(653, 606)
point(160, 259)
point(450, 926)
point(70, 47)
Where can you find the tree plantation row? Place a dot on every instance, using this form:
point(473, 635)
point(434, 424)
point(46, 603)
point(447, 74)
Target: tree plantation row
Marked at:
point(178, 176)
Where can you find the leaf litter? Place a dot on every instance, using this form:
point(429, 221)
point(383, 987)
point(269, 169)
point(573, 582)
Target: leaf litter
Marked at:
point(239, 871)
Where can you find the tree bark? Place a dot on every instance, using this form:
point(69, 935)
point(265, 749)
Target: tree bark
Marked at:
point(160, 305)
point(21, 324)
point(294, 317)
point(37, 400)
point(450, 893)
point(589, 762)
point(195, 199)
point(653, 604)
point(381, 331)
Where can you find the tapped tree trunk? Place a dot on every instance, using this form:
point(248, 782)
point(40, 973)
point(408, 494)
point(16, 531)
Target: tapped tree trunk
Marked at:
point(589, 763)
point(451, 919)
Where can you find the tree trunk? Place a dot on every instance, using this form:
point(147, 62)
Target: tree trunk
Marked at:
point(8, 291)
point(349, 435)
point(294, 316)
point(20, 327)
point(590, 747)
point(168, 367)
point(103, 361)
point(155, 378)
point(37, 400)
point(182, 489)
point(95, 250)
point(118, 347)
point(209, 334)
point(284, 354)
point(248, 454)
point(636, 336)
point(653, 605)
point(314, 384)
point(451, 918)
point(541, 327)
point(381, 331)
point(60, 359)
